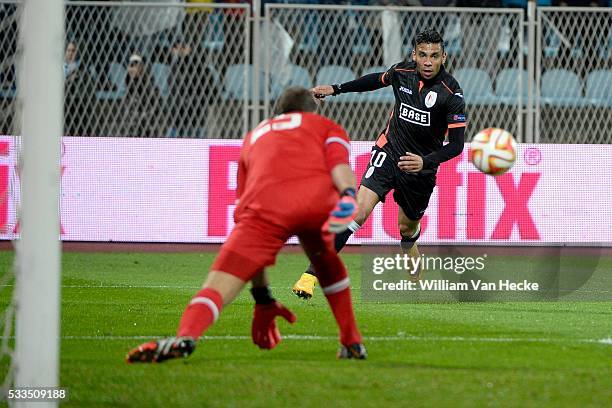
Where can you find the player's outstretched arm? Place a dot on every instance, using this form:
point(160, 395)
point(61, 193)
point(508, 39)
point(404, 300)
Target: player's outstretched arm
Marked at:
point(369, 82)
point(321, 91)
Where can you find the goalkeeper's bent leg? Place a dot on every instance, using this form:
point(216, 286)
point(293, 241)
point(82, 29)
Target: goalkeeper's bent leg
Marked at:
point(335, 284)
point(204, 308)
point(336, 289)
point(201, 313)
point(304, 287)
point(367, 199)
point(339, 242)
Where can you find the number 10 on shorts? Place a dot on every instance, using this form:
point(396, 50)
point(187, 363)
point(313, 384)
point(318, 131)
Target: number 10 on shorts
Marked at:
point(376, 161)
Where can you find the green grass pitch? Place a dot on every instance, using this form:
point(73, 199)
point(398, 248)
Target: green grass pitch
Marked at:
point(420, 355)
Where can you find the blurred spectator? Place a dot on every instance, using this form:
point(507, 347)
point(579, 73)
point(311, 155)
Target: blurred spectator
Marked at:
point(78, 92)
point(139, 111)
point(193, 88)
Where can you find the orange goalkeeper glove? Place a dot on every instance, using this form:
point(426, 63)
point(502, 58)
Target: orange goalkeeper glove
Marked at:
point(344, 212)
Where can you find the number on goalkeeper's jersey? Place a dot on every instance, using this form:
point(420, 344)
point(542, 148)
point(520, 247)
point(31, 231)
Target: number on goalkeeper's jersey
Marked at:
point(282, 122)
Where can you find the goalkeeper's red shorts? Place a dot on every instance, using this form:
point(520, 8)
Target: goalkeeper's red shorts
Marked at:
point(254, 243)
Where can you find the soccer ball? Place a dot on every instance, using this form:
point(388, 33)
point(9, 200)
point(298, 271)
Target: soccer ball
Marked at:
point(493, 151)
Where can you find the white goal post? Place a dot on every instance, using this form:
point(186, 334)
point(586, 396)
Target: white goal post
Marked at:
point(37, 325)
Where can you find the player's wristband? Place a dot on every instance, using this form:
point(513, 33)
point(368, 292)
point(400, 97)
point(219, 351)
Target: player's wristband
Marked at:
point(262, 295)
point(336, 88)
point(348, 192)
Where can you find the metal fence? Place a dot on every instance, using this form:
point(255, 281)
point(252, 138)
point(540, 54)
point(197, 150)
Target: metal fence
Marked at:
point(574, 75)
point(143, 70)
point(335, 44)
point(213, 70)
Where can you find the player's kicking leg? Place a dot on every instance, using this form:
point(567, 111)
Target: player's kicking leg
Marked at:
point(335, 284)
point(366, 200)
point(410, 230)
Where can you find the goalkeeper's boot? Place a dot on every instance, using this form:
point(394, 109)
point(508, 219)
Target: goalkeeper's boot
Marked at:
point(161, 350)
point(356, 351)
point(304, 288)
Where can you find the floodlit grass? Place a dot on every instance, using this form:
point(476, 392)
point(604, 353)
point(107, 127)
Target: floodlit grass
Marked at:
point(452, 354)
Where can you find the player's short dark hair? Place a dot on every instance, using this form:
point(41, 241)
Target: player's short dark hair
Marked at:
point(429, 36)
point(295, 99)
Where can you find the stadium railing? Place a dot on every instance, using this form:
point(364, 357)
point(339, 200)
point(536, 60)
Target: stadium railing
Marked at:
point(107, 33)
point(307, 44)
point(573, 77)
point(479, 41)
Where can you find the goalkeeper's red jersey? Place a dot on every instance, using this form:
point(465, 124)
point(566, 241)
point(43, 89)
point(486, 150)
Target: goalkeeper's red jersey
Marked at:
point(284, 170)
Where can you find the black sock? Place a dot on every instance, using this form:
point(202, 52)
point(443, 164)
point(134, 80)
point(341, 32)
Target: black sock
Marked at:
point(408, 242)
point(341, 238)
point(339, 243)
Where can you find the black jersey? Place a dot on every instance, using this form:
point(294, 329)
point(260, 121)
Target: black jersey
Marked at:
point(424, 110)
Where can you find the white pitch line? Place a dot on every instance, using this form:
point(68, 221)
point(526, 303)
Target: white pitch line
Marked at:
point(598, 291)
point(199, 287)
point(123, 286)
point(135, 287)
point(300, 337)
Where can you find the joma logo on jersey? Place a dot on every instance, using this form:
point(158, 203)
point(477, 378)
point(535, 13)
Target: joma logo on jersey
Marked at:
point(413, 115)
point(406, 90)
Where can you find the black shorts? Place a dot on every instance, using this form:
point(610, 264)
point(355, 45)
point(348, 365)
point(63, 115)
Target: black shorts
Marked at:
point(412, 191)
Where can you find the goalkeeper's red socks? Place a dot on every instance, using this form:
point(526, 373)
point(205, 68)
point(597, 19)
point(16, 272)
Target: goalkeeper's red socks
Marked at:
point(339, 299)
point(201, 313)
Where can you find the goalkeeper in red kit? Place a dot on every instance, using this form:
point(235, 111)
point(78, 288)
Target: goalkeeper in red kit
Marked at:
point(294, 178)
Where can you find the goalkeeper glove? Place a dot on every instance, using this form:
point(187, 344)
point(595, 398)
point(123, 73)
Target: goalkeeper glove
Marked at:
point(264, 332)
point(344, 212)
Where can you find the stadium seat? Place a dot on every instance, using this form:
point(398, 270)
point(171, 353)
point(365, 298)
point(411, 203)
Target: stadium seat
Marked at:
point(214, 72)
point(362, 39)
point(116, 75)
point(507, 83)
point(291, 75)
point(605, 48)
point(8, 93)
point(514, 3)
point(335, 74)
point(8, 89)
point(452, 31)
point(304, 27)
point(476, 85)
point(599, 88)
point(561, 87)
point(552, 42)
point(235, 81)
point(382, 95)
point(452, 36)
point(214, 34)
point(161, 74)
point(94, 74)
point(523, 3)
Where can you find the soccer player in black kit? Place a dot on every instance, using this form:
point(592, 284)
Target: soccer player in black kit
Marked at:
point(428, 105)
